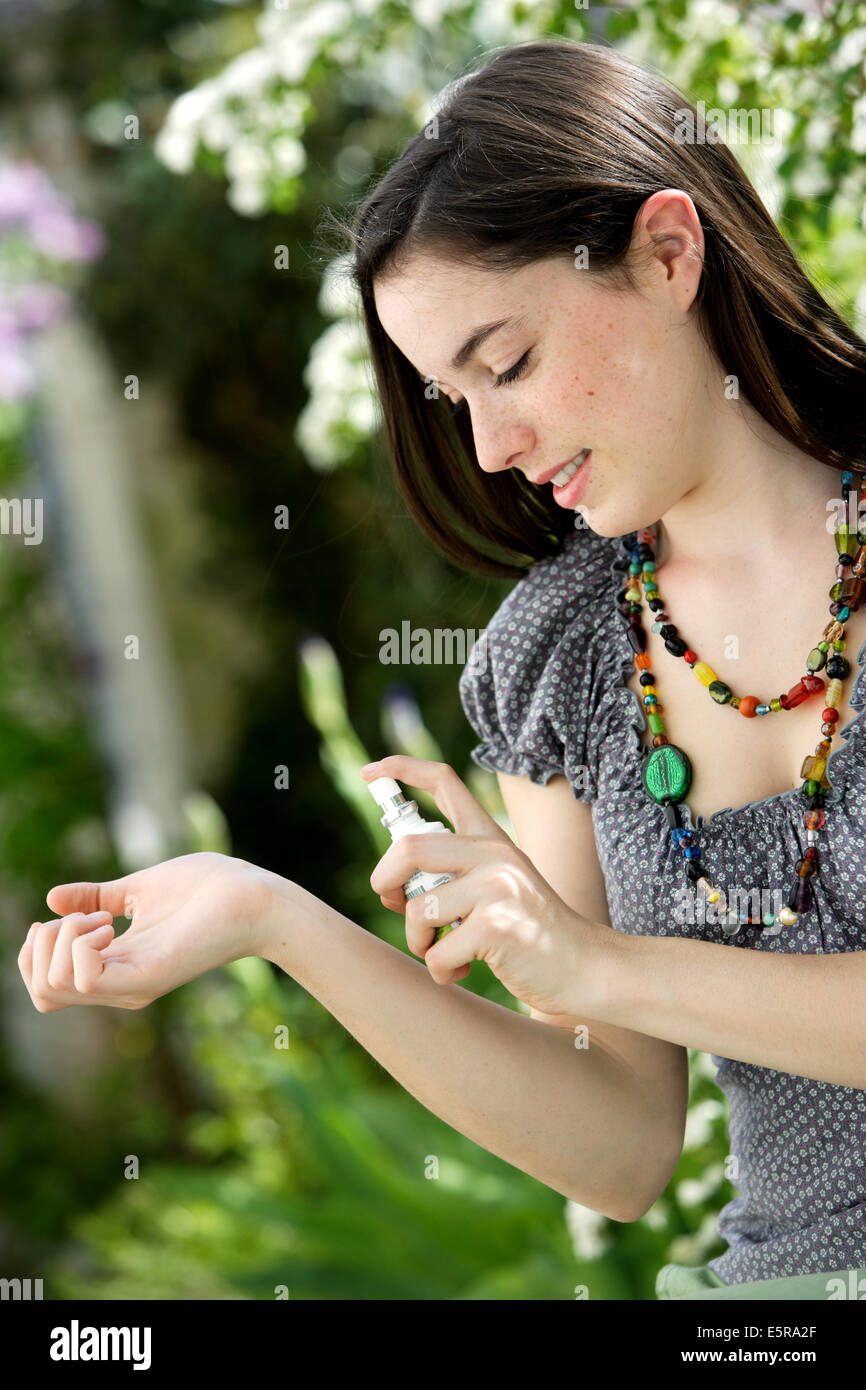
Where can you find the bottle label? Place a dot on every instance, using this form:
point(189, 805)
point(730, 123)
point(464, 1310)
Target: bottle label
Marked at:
point(416, 885)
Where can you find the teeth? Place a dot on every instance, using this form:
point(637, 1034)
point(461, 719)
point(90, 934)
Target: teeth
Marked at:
point(570, 469)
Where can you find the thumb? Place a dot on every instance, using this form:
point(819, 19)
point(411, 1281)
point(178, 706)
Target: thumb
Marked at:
point(117, 896)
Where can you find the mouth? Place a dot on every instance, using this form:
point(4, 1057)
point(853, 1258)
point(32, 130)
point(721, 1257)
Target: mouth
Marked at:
point(563, 472)
point(570, 483)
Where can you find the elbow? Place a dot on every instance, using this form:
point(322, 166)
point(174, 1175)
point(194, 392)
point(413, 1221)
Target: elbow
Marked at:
point(624, 1215)
point(635, 1199)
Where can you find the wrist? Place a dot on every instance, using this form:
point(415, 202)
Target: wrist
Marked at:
point(599, 967)
point(277, 910)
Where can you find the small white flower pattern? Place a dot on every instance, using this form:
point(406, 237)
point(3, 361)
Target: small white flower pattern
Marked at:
point(552, 698)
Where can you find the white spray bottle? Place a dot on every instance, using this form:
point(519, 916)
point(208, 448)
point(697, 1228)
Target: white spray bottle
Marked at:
point(401, 818)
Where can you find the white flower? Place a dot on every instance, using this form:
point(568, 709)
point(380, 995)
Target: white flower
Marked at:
point(587, 1229)
point(338, 379)
point(175, 147)
point(727, 90)
point(247, 197)
point(246, 160)
point(819, 133)
point(429, 13)
point(692, 1191)
point(218, 130)
point(326, 19)
point(851, 50)
point(338, 294)
point(699, 1123)
point(248, 74)
point(858, 127)
point(288, 155)
point(362, 413)
point(811, 180)
point(292, 56)
point(188, 109)
point(104, 122)
point(658, 1215)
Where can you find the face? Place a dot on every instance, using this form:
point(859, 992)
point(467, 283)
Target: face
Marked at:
point(583, 366)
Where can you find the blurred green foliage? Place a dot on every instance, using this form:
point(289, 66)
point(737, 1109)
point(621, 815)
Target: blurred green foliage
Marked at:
point(306, 1167)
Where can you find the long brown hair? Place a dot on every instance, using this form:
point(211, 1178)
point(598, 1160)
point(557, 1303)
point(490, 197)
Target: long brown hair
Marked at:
point(557, 144)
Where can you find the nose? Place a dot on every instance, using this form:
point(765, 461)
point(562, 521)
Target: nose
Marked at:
point(500, 447)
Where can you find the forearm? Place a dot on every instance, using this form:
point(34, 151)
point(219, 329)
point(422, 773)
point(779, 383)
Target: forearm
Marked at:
point(575, 1119)
point(792, 1013)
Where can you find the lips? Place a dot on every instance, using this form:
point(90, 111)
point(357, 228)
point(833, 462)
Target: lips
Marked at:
point(552, 473)
point(569, 493)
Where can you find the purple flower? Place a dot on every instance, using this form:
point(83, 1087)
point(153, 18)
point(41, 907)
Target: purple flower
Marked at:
point(64, 238)
point(39, 305)
point(17, 377)
point(23, 186)
point(28, 199)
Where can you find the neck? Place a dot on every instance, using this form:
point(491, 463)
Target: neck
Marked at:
point(760, 504)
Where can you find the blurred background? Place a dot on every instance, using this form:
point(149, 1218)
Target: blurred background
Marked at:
point(200, 545)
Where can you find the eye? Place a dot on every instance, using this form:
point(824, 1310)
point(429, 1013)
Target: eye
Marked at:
point(514, 372)
point(511, 375)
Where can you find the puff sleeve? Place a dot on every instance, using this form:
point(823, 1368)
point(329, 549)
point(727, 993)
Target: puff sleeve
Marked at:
point(528, 688)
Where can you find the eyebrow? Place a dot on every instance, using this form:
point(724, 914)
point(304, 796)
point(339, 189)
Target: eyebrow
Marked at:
point(477, 337)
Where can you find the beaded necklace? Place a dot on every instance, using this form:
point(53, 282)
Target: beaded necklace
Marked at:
point(667, 772)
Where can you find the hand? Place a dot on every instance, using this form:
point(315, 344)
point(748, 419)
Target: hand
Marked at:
point(544, 953)
point(189, 915)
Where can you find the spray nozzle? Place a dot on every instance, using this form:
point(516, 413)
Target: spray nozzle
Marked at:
point(389, 797)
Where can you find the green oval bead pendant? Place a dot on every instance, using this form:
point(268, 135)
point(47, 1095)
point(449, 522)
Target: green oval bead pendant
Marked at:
point(667, 773)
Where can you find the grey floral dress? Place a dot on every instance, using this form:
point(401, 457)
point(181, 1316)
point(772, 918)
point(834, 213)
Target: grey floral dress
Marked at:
point(546, 693)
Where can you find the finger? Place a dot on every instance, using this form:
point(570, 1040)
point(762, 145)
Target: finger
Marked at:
point(89, 965)
point(438, 907)
point(60, 973)
point(455, 854)
point(450, 793)
point(25, 955)
point(43, 949)
point(449, 960)
point(114, 896)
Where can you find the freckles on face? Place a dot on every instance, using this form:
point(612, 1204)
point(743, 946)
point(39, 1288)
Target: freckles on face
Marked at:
point(648, 373)
point(606, 369)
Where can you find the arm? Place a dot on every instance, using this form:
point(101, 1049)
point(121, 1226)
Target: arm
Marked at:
point(572, 1118)
point(798, 1014)
point(556, 831)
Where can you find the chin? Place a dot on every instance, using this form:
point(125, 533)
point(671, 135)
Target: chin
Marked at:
point(597, 520)
point(611, 524)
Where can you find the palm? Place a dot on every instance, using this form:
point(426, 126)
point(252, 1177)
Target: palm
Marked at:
point(188, 915)
point(170, 938)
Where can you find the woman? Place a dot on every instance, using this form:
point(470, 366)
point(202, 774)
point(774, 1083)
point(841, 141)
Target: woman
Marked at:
point(548, 269)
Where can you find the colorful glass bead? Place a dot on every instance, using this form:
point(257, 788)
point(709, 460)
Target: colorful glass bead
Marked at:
point(667, 774)
point(800, 692)
point(838, 667)
point(813, 768)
